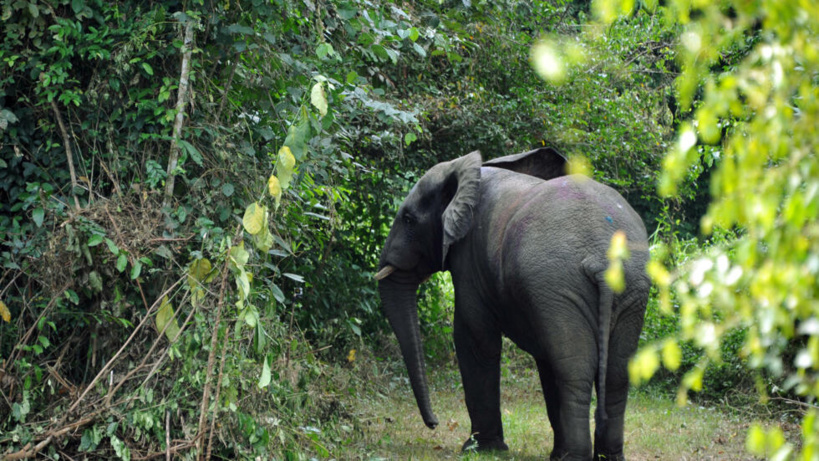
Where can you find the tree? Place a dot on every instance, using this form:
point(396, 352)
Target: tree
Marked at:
point(750, 75)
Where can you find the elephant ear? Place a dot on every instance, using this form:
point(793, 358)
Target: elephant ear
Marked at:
point(460, 213)
point(545, 163)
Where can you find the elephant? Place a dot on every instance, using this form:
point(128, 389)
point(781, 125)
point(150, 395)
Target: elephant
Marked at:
point(526, 245)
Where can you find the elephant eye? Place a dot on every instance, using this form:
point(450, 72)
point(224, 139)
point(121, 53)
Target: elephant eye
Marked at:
point(408, 219)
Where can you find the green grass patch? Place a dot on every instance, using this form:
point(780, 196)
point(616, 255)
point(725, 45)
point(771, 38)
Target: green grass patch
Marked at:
point(656, 428)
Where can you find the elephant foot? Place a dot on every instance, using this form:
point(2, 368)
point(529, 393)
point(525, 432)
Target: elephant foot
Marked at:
point(477, 444)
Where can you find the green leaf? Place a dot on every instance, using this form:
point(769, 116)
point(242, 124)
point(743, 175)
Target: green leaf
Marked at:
point(95, 240)
point(255, 218)
point(77, 6)
point(95, 281)
point(192, 151)
point(263, 241)
point(264, 380)
point(318, 98)
point(238, 256)
point(352, 76)
point(227, 189)
point(164, 316)
point(414, 34)
point(122, 262)
point(72, 296)
point(112, 247)
point(410, 138)
point(38, 215)
point(298, 134)
point(136, 269)
point(324, 50)
point(148, 68)
point(285, 167)
point(278, 295)
point(122, 450)
point(294, 277)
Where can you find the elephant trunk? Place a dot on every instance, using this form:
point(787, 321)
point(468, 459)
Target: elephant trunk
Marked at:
point(399, 301)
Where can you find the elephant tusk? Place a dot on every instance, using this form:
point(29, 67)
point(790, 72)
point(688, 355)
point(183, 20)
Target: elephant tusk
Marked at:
point(384, 272)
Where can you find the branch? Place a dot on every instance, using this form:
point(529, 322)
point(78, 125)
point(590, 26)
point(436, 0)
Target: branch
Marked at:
point(181, 102)
point(68, 152)
point(203, 412)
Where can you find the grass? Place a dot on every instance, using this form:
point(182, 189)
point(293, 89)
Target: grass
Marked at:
point(656, 428)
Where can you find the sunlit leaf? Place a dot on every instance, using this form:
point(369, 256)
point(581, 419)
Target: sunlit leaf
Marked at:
point(672, 354)
point(318, 99)
point(5, 313)
point(297, 136)
point(285, 166)
point(164, 316)
point(643, 365)
point(264, 380)
point(255, 218)
point(274, 187)
point(238, 256)
point(547, 61)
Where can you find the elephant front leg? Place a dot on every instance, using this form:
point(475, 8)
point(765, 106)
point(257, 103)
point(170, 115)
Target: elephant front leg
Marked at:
point(479, 348)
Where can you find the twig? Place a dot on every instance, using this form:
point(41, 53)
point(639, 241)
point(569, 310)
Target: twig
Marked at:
point(147, 355)
point(181, 102)
point(167, 435)
point(227, 88)
point(212, 355)
point(218, 392)
point(113, 359)
point(68, 151)
point(171, 450)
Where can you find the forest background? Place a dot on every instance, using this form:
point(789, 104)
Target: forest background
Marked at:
point(193, 196)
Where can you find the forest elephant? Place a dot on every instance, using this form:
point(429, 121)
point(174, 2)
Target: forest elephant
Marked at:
point(526, 245)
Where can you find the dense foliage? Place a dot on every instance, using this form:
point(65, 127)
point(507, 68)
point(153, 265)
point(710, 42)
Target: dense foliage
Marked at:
point(755, 118)
point(193, 195)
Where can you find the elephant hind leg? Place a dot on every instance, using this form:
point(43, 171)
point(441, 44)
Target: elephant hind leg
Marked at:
point(550, 394)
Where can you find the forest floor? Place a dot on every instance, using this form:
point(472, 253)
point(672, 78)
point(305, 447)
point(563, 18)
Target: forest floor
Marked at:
point(656, 428)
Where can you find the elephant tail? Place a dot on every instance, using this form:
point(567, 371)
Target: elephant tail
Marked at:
point(604, 331)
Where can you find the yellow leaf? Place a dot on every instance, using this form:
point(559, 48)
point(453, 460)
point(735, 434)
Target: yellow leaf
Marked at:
point(5, 313)
point(274, 187)
point(672, 355)
point(545, 58)
point(318, 99)
point(351, 356)
point(255, 218)
point(164, 316)
point(619, 246)
point(200, 269)
point(285, 166)
point(614, 276)
point(643, 365)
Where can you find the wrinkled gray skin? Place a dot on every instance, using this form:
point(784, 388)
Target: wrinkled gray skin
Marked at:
point(526, 246)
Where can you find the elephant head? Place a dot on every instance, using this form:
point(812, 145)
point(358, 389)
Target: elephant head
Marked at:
point(438, 211)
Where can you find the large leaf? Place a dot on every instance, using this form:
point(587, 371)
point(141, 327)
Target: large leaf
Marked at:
point(263, 241)
point(298, 134)
point(199, 272)
point(274, 186)
point(264, 380)
point(238, 256)
point(255, 218)
point(164, 316)
point(285, 166)
point(5, 313)
point(318, 98)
